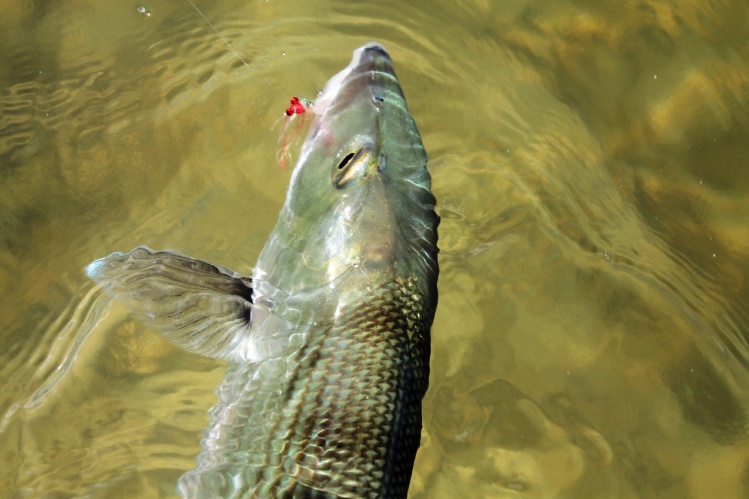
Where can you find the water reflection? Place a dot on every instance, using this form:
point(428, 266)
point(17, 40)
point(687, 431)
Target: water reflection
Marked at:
point(588, 160)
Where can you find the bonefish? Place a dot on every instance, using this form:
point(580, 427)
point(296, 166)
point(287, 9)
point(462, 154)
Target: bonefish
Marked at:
point(328, 341)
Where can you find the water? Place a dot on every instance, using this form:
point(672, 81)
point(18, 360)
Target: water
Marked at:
point(589, 160)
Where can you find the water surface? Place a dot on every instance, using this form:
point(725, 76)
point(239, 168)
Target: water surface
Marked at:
point(590, 165)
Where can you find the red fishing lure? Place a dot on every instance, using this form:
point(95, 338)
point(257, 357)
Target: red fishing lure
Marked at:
point(297, 107)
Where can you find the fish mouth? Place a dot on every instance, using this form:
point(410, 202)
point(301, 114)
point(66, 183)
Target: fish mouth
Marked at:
point(370, 59)
point(370, 51)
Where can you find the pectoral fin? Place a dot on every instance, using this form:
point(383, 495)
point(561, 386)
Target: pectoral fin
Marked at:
point(201, 307)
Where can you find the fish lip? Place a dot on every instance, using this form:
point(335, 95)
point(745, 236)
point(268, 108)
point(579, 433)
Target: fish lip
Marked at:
point(370, 51)
point(366, 56)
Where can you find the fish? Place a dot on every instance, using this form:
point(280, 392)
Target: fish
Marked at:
point(327, 342)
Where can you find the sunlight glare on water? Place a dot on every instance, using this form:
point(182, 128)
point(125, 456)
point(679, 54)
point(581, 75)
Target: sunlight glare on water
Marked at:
point(589, 163)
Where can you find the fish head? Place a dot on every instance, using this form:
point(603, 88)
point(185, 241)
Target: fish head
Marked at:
point(359, 203)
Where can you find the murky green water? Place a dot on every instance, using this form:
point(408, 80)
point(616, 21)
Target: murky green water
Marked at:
point(591, 163)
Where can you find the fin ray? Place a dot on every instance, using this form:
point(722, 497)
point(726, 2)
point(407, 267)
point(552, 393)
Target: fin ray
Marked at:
point(200, 307)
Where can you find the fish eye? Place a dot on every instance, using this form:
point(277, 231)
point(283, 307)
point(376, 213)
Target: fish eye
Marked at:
point(354, 166)
point(345, 160)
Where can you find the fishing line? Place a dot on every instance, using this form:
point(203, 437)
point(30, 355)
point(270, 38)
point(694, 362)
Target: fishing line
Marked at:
point(218, 34)
point(298, 106)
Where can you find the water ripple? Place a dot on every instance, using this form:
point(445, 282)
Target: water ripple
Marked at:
point(52, 354)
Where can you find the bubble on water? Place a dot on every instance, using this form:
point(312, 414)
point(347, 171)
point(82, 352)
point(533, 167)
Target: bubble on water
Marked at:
point(143, 10)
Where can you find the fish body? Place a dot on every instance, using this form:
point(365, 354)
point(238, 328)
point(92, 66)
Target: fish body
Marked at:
point(328, 341)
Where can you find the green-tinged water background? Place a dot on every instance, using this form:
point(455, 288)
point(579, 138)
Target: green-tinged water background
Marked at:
point(591, 166)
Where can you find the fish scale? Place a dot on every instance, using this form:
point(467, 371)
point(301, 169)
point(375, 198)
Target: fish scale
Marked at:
point(378, 367)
